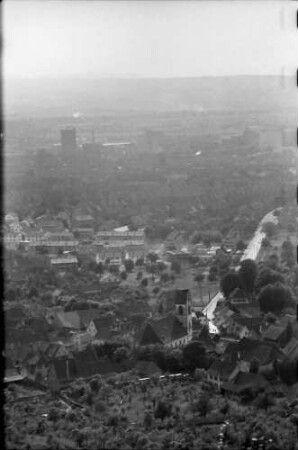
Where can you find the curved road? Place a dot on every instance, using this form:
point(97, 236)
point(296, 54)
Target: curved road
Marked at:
point(251, 252)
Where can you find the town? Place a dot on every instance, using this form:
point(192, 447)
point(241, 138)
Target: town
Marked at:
point(126, 314)
point(149, 226)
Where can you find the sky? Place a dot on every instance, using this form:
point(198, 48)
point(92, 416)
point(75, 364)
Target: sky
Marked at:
point(147, 38)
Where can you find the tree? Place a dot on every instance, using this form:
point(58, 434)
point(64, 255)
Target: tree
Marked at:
point(240, 245)
point(230, 282)
point(199, 278)
point(275, 298)
point(144, 282)
point(287, 370)
point(265, 243)
point(194, 356)
point(162, 410)
point(165, 277)
point(120, 354)
point(248, 274)
point(287, 253)
point(140, 262)
point(129, 265)
point(270, 228)
point(161, 266)
point(153, 257)
point(139, 275)
point(123, 275)
point(202, 405)
point(268, 276)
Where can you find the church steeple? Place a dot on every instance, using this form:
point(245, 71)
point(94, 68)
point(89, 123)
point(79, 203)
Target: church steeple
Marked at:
point(183, 309)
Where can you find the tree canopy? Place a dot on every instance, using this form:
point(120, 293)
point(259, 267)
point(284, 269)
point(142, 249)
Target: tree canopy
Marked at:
point(248, 275)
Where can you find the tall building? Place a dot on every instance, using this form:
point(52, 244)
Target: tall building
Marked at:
point(68, 140)
point(183, 309)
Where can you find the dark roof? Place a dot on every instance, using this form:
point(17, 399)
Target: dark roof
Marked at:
point(251, 323)
point(222, 368)
point(38, 324)
point(181, 296)
point(168, 328)
point(103, 322)
point(273, 333)
point(243, 381)
point(86, 363)
point(149, 336)
point(65, 368)
point(104, 334)
point(248, 348)
point(291, 349)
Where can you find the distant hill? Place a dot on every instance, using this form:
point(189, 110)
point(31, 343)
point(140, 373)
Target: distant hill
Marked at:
point(55, 97)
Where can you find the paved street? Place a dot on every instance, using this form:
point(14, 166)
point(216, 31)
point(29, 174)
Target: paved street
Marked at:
point(251, 252)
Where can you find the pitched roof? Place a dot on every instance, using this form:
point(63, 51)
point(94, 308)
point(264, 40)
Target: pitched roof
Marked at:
point(86, 315)
point(251, 323)
point(103, 322)
point(291, 349)
point(104, 334)
point(248, 348)
point(243, 381)
point(169, 328)
point(86, 363)
point(149, 336)
point(69, 319)
point(145, 368)
point(65, 368)
point(223, 369)
point(273, 333)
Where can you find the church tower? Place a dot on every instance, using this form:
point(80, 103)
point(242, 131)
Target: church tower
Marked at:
point(183, 309)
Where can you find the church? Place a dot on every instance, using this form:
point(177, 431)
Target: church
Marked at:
point(173, 329)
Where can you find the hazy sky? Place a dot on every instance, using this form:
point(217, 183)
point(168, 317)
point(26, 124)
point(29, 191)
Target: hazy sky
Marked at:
point(148, 38)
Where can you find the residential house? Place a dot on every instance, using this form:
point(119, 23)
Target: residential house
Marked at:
point(85, 233)
point(54, 243)
point(87, 363)
point(11, 217)
point(61, 372)
point(83, 221)
point(76, 320)
point(99, 329)
point(222, 371)
point(248, 349)
point(112, 253)
point(80, 340)
point(291, 349)
point(238, 297)
point(167, 331)
point(239, 326)
point(15, 227)
point(279, 334)
point(31, 234)
point(108, 237)
point(244, 383)
point(13, 372)
point(12, 240)
point(64, 263)
point(47, 223)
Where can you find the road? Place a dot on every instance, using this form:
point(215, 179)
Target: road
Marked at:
point(251, 252)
